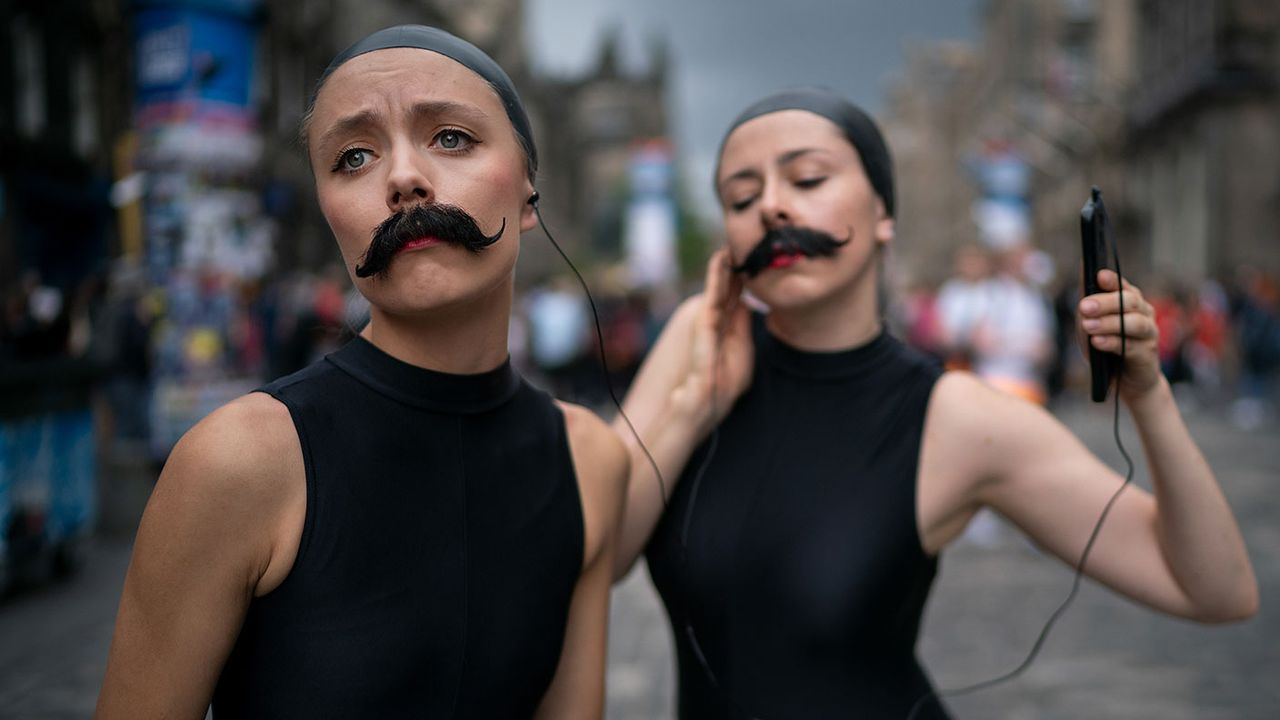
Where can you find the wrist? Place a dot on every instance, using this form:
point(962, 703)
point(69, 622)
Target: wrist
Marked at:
point(686, 414)
point(1157, 398)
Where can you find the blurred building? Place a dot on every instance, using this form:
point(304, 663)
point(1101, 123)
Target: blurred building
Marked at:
point(61, 116)
point(927, 133)
point(1205, 135)
point(1170, 106)
point(1077, 135)
point(589, 126)
point(1038, 103)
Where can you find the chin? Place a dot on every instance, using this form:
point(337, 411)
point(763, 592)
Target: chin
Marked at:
point(787, 289)
point(426, 292)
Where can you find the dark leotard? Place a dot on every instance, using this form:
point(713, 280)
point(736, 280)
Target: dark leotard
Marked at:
point(442, 543)
point(804, 580)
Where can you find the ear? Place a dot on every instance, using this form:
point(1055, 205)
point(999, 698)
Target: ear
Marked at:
point(528, 213)
point(885, 226)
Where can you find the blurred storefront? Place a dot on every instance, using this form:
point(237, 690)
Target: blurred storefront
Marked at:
point(207, 243)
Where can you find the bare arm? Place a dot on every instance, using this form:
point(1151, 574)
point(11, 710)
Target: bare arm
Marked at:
point(693, 374)
point(1177, 550)
point(577, 691)
point(215, 532)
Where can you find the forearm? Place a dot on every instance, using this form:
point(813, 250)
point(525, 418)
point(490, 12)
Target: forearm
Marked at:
point(1196, 529)
point(670, 438)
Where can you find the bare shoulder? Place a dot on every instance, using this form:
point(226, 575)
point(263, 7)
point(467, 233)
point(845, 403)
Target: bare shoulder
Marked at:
point(236, 482)
point(958, 388)
point(974, 433)
point(602, 466)
point(965, 409)
point(604, 457)
point(247, 445)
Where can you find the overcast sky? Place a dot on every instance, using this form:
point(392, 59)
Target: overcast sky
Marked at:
point(729, 53)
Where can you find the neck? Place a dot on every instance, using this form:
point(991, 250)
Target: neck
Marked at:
point(462, 340)
point(840, 322)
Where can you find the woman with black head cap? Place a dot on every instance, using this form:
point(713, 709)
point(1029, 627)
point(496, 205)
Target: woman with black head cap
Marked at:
point(405, 529)
point(800, 541)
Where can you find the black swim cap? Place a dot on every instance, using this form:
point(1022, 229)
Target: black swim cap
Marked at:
point(858, 127)
point(454, 48)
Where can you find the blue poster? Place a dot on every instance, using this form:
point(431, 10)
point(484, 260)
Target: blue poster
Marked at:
point(193, 55)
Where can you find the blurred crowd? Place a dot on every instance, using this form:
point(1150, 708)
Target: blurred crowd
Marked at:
point(1008, 316)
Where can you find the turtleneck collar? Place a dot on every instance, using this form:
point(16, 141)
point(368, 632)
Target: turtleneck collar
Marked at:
point(427, 389)
point(822, 365)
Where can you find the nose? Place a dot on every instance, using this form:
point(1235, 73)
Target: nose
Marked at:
point(775, 206)
point(407, 180)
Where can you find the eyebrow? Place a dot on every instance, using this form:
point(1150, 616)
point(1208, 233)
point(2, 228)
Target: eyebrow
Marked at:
point(427, 108)
point(783, 159)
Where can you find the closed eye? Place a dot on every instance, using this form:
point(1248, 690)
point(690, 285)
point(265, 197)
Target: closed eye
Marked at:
point(812, 182)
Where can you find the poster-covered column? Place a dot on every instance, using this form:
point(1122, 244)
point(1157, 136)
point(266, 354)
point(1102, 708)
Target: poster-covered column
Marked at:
point(207, 244)
point(649, 229)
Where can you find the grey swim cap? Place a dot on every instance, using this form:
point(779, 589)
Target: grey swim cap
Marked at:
point(858, 127)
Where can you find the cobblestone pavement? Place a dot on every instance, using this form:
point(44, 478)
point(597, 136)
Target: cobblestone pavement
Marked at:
point(1106, 658)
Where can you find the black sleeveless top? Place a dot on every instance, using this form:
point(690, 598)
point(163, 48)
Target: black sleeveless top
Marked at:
point(804, 579)
point(442, 544)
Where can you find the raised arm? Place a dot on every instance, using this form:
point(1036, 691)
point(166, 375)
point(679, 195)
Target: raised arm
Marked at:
point(221, 526)
point(1177, 550)
point(577, 691)
point(694, 373)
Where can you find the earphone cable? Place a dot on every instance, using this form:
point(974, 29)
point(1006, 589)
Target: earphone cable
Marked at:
point(604, 363)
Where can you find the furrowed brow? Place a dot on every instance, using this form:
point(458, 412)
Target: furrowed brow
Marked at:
point(347, 125)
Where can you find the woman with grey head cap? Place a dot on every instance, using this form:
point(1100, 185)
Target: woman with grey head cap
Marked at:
point(820, 466)
point(406, 528)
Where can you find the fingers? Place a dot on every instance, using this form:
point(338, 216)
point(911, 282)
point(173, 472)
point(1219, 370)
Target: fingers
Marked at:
point(719, 278)
point(1137, 326)
point(1107, 281)
point(1108, 303)
point(738, 314)
point(1100, 315)
point(723, 288)
point(1111, 343)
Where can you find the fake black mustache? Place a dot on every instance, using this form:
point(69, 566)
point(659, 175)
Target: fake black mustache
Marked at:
point(447, 223)
point(789, 240)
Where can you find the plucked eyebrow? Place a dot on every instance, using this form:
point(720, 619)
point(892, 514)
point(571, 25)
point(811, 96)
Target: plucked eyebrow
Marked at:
point(783, 159)
point(365, 119)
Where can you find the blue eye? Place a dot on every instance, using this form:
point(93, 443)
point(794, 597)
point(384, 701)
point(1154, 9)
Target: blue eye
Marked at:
point(351, 160)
